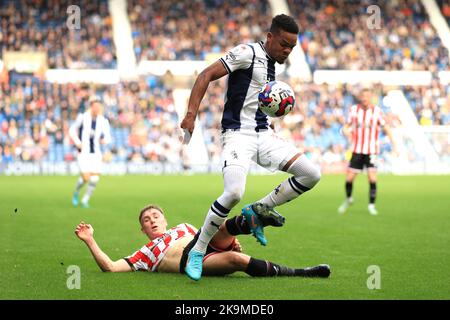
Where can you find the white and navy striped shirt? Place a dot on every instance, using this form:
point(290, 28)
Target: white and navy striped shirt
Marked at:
point(249, 67)
point(89, 132)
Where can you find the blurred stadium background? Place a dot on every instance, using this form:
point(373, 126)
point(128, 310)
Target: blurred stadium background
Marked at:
point(141, 57)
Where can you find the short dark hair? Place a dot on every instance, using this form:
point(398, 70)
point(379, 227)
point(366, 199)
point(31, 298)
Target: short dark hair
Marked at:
point(285, 23)
point(148, 207)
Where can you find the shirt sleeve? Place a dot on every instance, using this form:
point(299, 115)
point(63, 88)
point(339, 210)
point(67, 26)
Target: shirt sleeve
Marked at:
point(106, 134)
point(239, 57)
point(73, 130)
point(191, 229)
point(138, 261)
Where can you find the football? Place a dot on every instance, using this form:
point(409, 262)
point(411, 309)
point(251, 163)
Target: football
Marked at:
point(276, 99)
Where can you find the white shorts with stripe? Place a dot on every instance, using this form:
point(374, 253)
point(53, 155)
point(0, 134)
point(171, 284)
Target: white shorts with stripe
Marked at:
point(264, 147)
point(90, 162)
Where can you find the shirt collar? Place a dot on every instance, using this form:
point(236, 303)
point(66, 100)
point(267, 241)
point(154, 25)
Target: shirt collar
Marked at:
point(261, 43)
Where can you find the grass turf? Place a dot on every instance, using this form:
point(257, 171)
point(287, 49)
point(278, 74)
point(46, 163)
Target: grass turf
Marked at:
point(409, 240)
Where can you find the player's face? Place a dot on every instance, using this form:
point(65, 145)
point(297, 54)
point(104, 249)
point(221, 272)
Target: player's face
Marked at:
point(153, 223)
point(280, 45)
point(366, 98)
point(96, 108)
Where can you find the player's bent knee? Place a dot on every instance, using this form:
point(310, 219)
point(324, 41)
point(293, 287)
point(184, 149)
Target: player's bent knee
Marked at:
point(233, 196)
point(315, 176)
point(238, 260)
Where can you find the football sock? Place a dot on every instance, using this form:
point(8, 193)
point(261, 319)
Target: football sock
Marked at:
point(80, 184)
point(237, 225)
point(372, 192)
point(234, 178)
point(348, 189)
point(93, 180)
point(217, 214)
point(305, 177)
point(264, 268)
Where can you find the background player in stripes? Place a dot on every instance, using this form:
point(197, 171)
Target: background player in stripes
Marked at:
point(246, 135)
point(89, 130)
point(168, 248)
point(362, 129)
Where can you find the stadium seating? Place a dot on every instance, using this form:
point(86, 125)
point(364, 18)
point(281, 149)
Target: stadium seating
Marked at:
point(177, 30)
point(35, 114)
point(28, 26)
point(335, 35)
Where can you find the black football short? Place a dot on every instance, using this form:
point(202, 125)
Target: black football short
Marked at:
point(360, 161)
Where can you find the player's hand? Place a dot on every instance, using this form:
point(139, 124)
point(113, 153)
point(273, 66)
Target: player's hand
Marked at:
point(188, 123)
point(237, 245)
point(78, 146)
point(395, 153)
point(84, 231)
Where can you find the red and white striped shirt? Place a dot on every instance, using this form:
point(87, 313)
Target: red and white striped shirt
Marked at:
point(365, 125)
point(149, 256)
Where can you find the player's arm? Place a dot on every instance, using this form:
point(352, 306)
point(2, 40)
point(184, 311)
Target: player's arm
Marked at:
point(85, 232)
point(73, 131)
point(213, 72)
point(106, 136)
point(388, 132)
point(347, 131)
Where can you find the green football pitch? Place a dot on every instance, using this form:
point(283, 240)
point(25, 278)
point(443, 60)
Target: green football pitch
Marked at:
point(408, 242)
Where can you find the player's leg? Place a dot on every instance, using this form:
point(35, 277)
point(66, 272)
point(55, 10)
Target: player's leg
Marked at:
point(82, 180)
point(355, 166)
point(224, 239)
point(237, 152)
point(275, 153)
point(234, 178)
point(372, 175)
point(83, 165)
point(305, 176)
point(92, 184)
point(229, 262)
point(349, 179)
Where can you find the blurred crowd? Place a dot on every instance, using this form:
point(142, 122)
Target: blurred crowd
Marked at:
point(41, 25)
point(189, 30)
point(343, 34)
point(431, 104)
point(35, 117)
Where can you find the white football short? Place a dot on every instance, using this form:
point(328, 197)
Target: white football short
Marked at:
point(90, 162)
point(265, 148)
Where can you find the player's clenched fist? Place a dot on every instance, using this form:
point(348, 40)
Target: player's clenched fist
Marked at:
point(188, 123)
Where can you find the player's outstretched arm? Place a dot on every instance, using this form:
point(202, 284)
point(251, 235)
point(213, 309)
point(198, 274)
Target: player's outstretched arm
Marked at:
point(85, 232)
point(211, 73)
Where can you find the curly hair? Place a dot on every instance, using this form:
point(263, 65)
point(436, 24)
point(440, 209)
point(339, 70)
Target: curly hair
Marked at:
point(285, 23)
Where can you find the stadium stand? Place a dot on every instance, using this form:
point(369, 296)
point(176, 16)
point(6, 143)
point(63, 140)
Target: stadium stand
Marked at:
point(35, 114)
point(177, 30)
point(334, 35)
point(41, 26)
